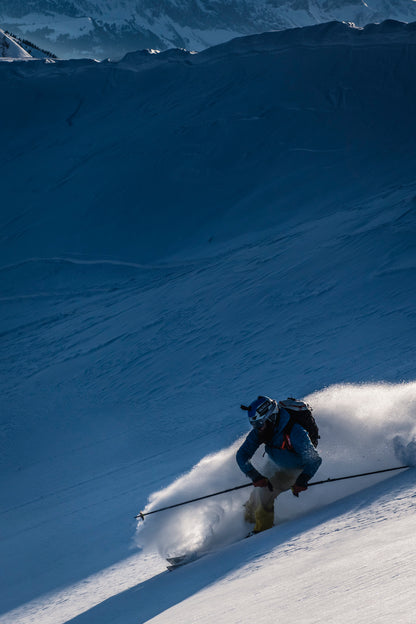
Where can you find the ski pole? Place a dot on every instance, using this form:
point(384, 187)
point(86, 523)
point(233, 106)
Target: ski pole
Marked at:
point(363, 474)
point(142, 514)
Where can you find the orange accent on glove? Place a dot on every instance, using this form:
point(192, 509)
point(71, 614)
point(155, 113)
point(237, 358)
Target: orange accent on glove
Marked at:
point(263, 482)
point(297, 489)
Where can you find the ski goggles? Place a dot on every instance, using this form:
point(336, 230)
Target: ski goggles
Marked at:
point(260, 411)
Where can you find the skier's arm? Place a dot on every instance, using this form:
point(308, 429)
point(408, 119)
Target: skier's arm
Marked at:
point(303, 446)
point(246, 452)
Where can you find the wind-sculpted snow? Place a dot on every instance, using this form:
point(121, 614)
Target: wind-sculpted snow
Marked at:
point(363, 428)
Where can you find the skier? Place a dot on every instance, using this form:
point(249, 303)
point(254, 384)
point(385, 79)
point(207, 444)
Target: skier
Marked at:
point(294, 455)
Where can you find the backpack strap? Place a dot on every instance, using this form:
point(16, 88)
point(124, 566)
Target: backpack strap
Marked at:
point(287, 430)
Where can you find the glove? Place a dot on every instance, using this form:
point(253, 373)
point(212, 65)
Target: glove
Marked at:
point(263, 482)
point(297, 489)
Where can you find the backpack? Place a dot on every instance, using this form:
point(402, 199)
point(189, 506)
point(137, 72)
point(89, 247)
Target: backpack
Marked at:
point(301, 414)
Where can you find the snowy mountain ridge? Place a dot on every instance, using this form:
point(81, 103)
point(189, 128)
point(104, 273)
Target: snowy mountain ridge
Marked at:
point(101, 29)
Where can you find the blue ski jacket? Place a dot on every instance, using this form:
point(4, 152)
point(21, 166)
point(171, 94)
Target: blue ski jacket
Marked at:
point(303, 454)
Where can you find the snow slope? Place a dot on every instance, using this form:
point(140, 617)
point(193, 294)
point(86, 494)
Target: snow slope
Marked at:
point(78, 28)
point(179, 233)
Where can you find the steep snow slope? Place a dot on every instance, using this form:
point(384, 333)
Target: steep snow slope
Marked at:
point(98, 28)
point(179, 233)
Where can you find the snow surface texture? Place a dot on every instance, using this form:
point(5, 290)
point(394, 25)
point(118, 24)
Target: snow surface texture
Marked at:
point(99, 28)
point(179, 233)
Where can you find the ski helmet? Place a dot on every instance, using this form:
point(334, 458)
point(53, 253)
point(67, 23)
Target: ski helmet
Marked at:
point(261, 410)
